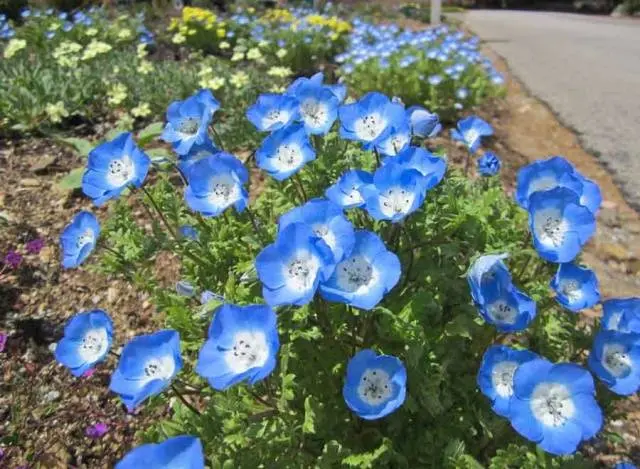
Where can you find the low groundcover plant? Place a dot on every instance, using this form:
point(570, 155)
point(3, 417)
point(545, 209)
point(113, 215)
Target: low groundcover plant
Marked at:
point(354, 308)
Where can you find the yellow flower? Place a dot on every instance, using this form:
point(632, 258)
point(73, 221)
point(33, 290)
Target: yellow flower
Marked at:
point(145, 67)
point(198, 15)
point(141, 110)
point(262, 44)
point(54, 26)
point(178, 39)
point(94, 49)
point(13, 47)
point(117, 94)
point(174, 24)
point(214, 83)
point(281, 53)
point(254, 54)
point(56, 112)
point(277, 89)
point(124, 34)
point(334, 36)
point(142, 51)
point(239, 79)
point(281, 72)
point(221, 32)
point(66, 54)
point(224, 45)
point(237, 56)
point(191, 32)
point(91, 32)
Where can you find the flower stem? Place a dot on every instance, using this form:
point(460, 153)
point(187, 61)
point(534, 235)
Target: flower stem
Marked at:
point(184, 400)
point(407, 239)
point(215, 133)
point(301, 186)
point(254, 223)
point(375, 151)
point(467, 164)
point(159, 212)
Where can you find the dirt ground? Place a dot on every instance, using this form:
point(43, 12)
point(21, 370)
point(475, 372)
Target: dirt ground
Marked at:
point(44, 411)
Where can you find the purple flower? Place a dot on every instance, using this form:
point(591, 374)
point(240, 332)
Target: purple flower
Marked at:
point(3, 343)
point(35, 246)
point(97, 430)
point(13, 259)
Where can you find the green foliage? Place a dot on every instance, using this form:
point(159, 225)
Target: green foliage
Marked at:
point(297, 417)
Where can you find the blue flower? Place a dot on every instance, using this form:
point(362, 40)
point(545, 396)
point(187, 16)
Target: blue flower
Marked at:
point(196, 153)
point(397, 139)
point(86, 342)
point(396, 192)
point(49, 35)
point(495, 377)
point(470, 132)
point(375, 385)
point(113, 166)
point(432, 167)
point(318, 108)
point(487, 270)
point(625, 465)
point(435, 80)
point(180, 451)
point(506, 307)
point(185, 288)
point(327, 221)
point(621, 314)
point(242, 346)
point(554, 405)
point(423, 123)
point(369, 119)
point(462, 93)
point(560, 224)
point(348, 190)
point(188, 120)
point(576, 287)
point(207, 296)
point(291, 268)
point(189, 232)
point(273, 111)
point(489, 164)
point(147, 365)
point(78, 239)
point(553, 172)
point(365, 276)
point(339, 90)
point(615, 359)
point(285, 152)
point(215, 183)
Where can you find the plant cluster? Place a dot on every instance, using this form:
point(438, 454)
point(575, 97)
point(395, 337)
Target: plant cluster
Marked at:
point(357, 302)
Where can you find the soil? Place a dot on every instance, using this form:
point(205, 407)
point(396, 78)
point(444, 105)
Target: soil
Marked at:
point(44, 411)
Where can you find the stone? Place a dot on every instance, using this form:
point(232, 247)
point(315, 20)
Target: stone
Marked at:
point(43, 164)
point(29, 182)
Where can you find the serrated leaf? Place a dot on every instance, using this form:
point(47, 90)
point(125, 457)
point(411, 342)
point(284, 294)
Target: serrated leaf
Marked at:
point(73, 180)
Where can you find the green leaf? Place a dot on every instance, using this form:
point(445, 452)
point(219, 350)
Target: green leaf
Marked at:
point(80, 145)
point(462, 325)
point(309, 416)
point(149, 133)
point(73, 180)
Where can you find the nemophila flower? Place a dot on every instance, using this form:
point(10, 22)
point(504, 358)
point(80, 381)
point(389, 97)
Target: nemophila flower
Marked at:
point(273, 111)
point(86, 342)
point(216, 183)
point(285, 152)
point(78, 239)
point(560, 224)
point(369, 119)
point(423, 123)
point(625, 465)
point(396, 192)
point(188, 232)
point(432, 168)
point(112, 167)
point(553, 172)
point(375, 385)
point(470, 132)
point(495, 377)
point(207, 296)
point(397, 139)
point(489, 164)
point(184, 288)
point(365, 276)
point(12, 259)
point(318, 108)
point(97, 430)
point(576, 287)
point(339, 90)
point(554, 405)
point(291, 268)
point(347, 191)
point(506, 307)
point(327, 221)
point(615, 360)
point(188, 120)
point(147, 365)
point(435, 80)
point(184, 452)
point(242, 346)
point(35, 246)
point(621, 314)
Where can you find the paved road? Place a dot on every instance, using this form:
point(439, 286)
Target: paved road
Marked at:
point(587, 69)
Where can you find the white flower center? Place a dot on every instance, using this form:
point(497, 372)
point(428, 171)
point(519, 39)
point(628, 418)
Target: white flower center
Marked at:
point(572, 289)
point(616, 360)
point(189, 126)
point(502, 312)
point(471, 136)
point(396, 200)
point(369, 127)
point(323, 231)
point(354, 195)
point(288, 157)
point(159, 368)
point(398, 142)
point(275, 116)
point(223, 190)
point(94, 345)
point(301, 271)
point(542, 184)
point(375, 387)
point(249, 350)
point(614, 322)
point(120, 172)
point(85, 238)
point(551, 404)
point(550, 227)
point(502, 377)
point(356, 274)
point(314, 113)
